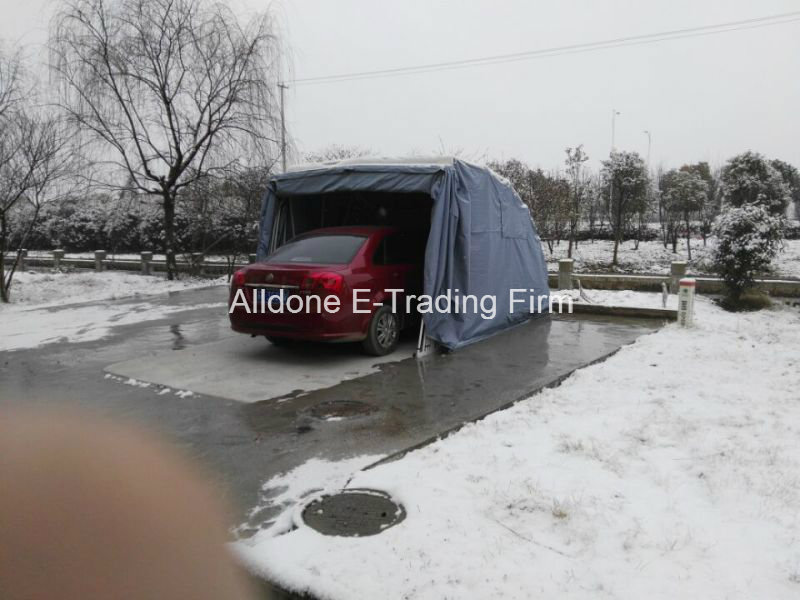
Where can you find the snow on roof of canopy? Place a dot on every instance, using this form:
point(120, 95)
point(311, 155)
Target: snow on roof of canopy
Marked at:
point(416, 161)
point(375, 160)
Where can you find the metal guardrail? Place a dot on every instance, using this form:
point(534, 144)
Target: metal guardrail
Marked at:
point(197, 266)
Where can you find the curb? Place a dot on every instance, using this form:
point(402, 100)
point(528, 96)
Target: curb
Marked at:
point(625, 311)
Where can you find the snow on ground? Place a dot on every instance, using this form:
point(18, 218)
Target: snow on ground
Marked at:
point(652, 257)
point(159, 390)
point(49, 288)
point(38, 315)
point(669, 470)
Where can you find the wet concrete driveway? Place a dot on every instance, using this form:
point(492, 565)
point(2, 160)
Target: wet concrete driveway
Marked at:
point(406, 402)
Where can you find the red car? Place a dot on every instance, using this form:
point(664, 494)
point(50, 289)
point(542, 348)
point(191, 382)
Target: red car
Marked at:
point(320, 270)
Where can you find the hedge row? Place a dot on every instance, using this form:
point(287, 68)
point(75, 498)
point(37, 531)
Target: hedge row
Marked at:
point(82, 227)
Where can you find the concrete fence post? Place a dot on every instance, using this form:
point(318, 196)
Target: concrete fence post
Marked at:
point(251, 258)
point(565, 273)
point(676, 272)
point(23, 259)
point(58, 255)
point(99, 257)
point(198, 260)
point(146, 257)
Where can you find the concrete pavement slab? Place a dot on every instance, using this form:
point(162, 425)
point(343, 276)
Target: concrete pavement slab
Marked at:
point(251, 369)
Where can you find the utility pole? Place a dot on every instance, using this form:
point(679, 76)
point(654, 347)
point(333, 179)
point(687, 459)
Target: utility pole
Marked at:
point(282, 86)
point(649, 179)
point(614, 113)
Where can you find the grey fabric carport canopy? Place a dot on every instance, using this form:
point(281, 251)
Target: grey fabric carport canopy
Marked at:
point(482, 240)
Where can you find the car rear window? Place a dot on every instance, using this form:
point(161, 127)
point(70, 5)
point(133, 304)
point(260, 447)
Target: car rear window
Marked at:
point(319, 249)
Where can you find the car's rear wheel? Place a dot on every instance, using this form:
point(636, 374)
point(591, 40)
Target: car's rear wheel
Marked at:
point(277, 341)
point(383, 333)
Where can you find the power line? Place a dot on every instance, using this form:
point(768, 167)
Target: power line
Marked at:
point(635, 40)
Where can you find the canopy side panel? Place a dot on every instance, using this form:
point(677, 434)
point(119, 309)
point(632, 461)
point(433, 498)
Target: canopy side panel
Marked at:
point(268, 204)
point(482, 243)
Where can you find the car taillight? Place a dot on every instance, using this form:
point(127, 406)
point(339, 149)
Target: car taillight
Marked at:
point(238, 278)
point(319, 282)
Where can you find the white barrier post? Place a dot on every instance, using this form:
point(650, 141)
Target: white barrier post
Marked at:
point(565, 273)
point(58, 256)
point(677, 270)
point(198, 262)
point(99, 257)
point(145, 258)
point(686, 302)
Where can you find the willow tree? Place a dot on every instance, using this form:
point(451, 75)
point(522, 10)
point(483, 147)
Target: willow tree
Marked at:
point(168, 92)
point(35, 157)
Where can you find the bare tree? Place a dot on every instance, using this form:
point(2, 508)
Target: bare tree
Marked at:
point(169, 90)
point(223, 213)
point(684, 197)
point(336, 152)
point(595, 214)
point(556, 193)
point(12, 82)
point(579, 191)
point(35, 155)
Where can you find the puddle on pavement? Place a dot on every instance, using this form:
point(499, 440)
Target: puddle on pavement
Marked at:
point(178, 341)
point(334, 410)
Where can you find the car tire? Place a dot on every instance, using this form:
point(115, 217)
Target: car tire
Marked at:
point(383, 333)
point(277, 341)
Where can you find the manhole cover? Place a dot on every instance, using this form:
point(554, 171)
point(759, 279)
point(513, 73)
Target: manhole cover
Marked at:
point(340, 409)
point(353, 513)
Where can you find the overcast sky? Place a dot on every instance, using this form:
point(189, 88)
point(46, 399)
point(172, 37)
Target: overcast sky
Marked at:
point(703, 98)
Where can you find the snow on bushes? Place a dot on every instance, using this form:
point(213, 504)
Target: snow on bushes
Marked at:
point(749, 237)
point(750, 179)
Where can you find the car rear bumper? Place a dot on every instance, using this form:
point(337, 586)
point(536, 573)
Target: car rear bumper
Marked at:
point(295, 333)
point(341, 326)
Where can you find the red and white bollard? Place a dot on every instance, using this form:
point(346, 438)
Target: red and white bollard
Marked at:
point(686, 288)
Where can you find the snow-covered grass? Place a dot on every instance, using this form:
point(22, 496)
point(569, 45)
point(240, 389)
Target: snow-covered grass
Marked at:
point(652, 257)
point(670, 470)
point(37, 314)
point(43, 288)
